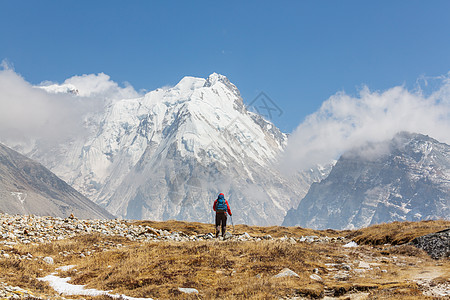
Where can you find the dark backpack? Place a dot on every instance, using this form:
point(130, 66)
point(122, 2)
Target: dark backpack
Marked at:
point(221, 206)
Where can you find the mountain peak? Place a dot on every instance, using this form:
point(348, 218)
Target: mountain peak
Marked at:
point(403, 179)
point(410, 136)
point(190, 83)
point(168, 153)
point(214, 78)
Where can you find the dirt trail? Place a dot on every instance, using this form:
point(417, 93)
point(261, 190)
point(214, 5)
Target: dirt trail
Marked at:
point(428, 273)
point(433, 279)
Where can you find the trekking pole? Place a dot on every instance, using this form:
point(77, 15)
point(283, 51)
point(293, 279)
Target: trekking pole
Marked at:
point(213, 222)
point(232, 223)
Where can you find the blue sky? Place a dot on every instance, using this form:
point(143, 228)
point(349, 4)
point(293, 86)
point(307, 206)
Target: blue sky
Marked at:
point(298, 52)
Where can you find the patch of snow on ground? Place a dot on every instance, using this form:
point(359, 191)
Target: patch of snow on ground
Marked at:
point(65, 268)
point(350, 245)
point(61, 286)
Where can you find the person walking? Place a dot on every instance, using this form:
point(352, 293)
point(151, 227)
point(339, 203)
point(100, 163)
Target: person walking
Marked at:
point(221, 207)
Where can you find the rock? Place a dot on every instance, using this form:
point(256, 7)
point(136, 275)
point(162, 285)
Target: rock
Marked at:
point(346, 267)
point(316, 277)
point(48, 260)
point(308, 239)
point(11, 292)
point(227, 235)
point(359, 270)
point(286, 273)
point(341, 276)
point(208, 236)
point(363, 265)
point(152, 231)
point(245, 235)
point(341, 266)
point(437, 245)
point(188, 290)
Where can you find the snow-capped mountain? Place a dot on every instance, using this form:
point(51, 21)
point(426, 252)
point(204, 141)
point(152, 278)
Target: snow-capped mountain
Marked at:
point(168, 154)
point(407, 178)
point(27, 187)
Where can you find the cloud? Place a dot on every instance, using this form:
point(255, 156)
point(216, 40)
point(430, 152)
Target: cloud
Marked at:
point(344, 122)
point(50, 112)
point(93, 85)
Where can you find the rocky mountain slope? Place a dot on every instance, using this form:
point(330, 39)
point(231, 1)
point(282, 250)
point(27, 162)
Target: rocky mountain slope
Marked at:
point(407, 178)
point(168, 154)
point(27, 187)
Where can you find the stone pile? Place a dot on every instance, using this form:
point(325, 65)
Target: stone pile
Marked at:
point(437, 245)
point(36, 229)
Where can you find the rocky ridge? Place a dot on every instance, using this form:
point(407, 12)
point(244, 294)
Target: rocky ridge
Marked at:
point(35, 229)
point(27, 187)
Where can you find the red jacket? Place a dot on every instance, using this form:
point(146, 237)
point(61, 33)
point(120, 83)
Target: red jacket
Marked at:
point(228, 206)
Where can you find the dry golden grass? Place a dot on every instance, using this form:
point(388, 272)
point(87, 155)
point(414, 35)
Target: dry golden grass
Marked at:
point(396, 233)
point(24, 272)
point(231, 269)
point(217, 269)
point(191, 228)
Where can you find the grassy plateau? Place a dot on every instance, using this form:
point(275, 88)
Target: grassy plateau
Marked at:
point(382, 266)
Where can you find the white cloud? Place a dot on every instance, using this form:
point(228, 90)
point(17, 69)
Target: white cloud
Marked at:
point(93, 85)
point(344, 122)
point(48, 113)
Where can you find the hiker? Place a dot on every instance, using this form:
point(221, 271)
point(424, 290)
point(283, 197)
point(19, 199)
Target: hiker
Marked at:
point(221, 208)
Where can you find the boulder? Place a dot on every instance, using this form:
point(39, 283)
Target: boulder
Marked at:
point(286, 273)
point(188, 290)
